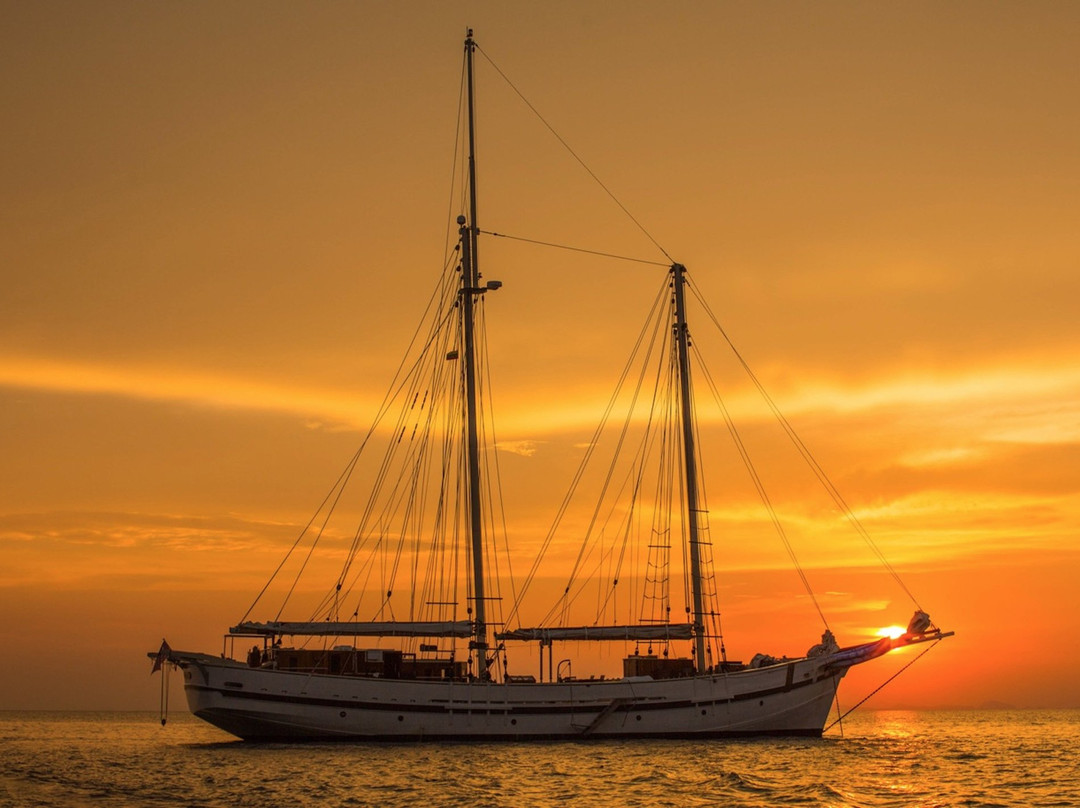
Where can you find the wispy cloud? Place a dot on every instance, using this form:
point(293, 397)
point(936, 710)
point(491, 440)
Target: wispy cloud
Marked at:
point(62, 548)
point(317, 406)
point(1018, 402)
point(1004, 383)
point(1012, 400)
point(525, 448)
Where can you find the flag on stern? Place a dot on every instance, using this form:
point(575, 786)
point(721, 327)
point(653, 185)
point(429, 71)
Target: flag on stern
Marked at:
point(161, 658)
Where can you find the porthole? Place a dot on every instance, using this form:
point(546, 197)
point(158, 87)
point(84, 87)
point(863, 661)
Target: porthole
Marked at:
point(342, 713)
point(639, 718)
point(401, 718)
point(513, 722)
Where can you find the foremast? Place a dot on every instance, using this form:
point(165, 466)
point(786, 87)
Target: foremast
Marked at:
point(470, 288)
point(693, 510)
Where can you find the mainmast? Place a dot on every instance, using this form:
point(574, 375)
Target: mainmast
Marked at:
point(470, 277)
point(682, 339)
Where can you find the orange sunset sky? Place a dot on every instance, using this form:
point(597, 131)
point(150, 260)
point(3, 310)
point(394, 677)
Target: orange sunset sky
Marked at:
point(221, 222)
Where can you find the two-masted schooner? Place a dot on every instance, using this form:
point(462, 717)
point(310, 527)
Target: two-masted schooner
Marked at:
point(441, 673)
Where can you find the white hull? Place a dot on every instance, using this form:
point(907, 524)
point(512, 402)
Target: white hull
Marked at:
point(792, 698)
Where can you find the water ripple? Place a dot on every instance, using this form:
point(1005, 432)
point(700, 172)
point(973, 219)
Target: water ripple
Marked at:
point(885, 760)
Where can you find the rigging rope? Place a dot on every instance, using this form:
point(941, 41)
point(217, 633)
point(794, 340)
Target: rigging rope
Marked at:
point(163, 703)
point(710, 595)
point(348, 468)
point(451, 225)
point(656, 588)
point(805, 452)
point(412, 377)
point(428, 366)
point(573, 154)
point(332, 498)
point(590, 449)
point(618, 450)
point(495, 497)
point(751, 469)
point(879, 688)
point(574, 249)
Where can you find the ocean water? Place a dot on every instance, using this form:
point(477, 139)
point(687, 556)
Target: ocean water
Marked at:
point(969, 758)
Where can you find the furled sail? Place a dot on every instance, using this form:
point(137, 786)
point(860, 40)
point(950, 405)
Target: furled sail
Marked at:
point(444, 628)
point(666, 631)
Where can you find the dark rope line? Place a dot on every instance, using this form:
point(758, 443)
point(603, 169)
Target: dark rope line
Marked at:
point(454, 163)
point(490, 502)
point(706, 547)
point(497, 495)
point(338, 488)
point(759, 486)
point(333, 496)
point(412, 378)
point(435, 586)
point(878, 688)
point(623, 434)
point(839, 713)
point(657, 321)
point(565, 505)
point(411, 503)
point(634, 480)
point(707, 565)
point(805, 452)
point(575, 249)
point(395, 391)
point(573, 154)
point(657, 341)
point(432, 351)
point(673, 472)
point(348, 469)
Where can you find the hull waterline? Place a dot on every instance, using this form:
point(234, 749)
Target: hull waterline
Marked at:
point(257, 704)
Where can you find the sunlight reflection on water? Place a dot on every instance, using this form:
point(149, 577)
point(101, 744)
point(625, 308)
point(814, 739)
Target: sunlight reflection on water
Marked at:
point(883, 759)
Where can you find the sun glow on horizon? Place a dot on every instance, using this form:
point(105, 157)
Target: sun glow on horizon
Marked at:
point(892, 632)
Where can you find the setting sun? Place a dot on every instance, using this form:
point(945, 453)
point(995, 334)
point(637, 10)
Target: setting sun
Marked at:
point(892, 632)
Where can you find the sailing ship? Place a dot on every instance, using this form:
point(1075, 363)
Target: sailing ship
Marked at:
point(443, 672)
